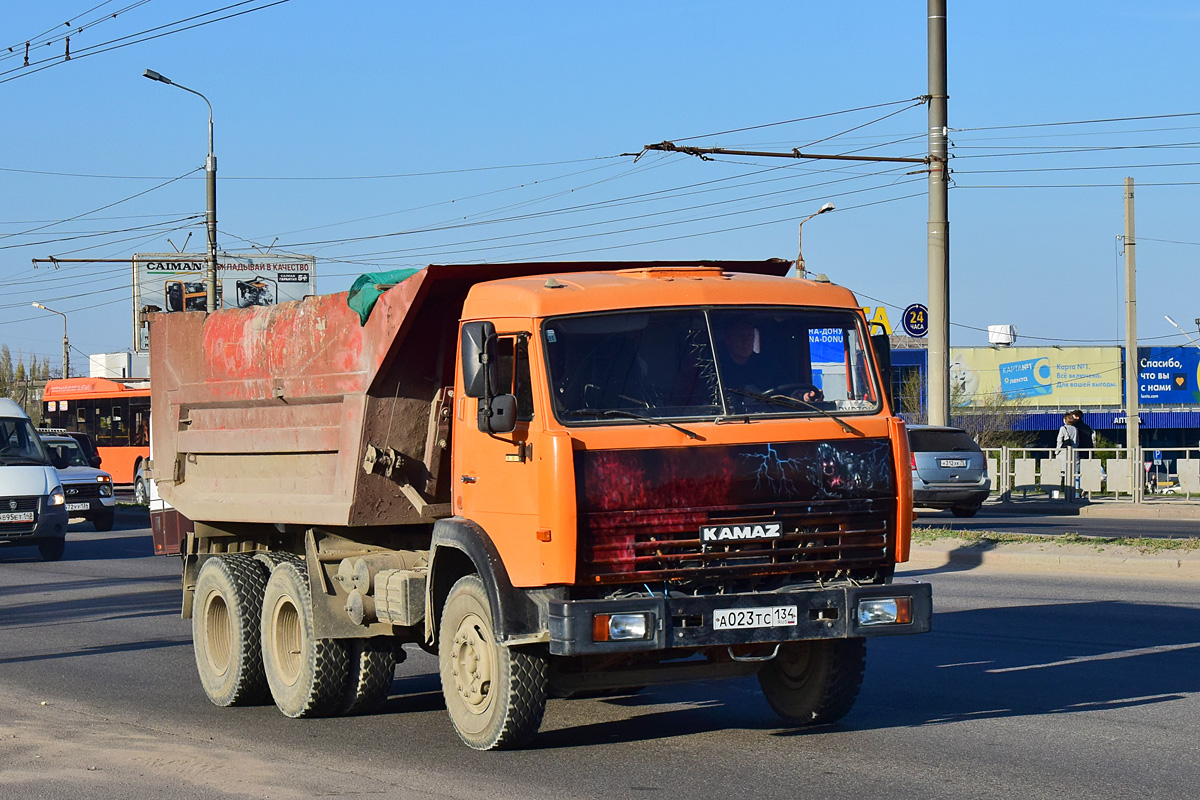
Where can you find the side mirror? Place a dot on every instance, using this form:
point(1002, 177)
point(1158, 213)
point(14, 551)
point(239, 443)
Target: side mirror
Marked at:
point(881, 343)
point(58, 459)
point(94, 461)
point(478, 358)
point(499, 416)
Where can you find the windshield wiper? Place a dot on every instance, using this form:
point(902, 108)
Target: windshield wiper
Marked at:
point(792, 402)
point(617, 413)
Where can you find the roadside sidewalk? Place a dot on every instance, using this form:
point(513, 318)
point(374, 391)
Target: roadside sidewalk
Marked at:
point(955, 554)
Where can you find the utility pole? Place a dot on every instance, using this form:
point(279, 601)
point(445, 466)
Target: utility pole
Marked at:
point(938, 227)
point(1132, 432)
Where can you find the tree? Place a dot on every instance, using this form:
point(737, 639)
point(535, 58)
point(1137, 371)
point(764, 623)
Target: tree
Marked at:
point(990, 418)
point(6, 370)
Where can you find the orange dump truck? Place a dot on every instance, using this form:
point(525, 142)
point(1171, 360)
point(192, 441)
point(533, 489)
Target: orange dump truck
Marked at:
point(559, 477)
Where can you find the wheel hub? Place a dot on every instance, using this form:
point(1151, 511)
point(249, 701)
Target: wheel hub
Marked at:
point(472, 663)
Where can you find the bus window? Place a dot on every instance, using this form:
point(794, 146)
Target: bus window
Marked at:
point(120, 422)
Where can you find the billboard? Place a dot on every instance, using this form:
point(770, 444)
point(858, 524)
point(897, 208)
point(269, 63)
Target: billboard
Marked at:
point(1169, 375)
point(1036, 377)
point(175, 282)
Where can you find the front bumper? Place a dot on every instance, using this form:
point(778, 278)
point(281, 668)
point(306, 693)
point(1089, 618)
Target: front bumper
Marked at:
point(50, 522)
point(686, 621)
point(943, 496)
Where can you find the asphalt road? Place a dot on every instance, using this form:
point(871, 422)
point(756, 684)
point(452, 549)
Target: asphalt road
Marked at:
point(1031, 687)
point(1053, 525)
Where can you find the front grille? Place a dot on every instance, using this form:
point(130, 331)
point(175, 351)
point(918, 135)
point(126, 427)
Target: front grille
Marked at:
point(10, 505)
point(81, 491)
point(817, 539)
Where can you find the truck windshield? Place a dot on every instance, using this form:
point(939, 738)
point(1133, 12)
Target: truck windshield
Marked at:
point(19, 444)
point(709, 362)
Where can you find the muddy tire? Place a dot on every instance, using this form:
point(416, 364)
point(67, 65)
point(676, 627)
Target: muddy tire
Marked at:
point(372, 666)
point(307, 675)
point(226, 614)
point(51, 549)
point(814, 683)
point(496, 695)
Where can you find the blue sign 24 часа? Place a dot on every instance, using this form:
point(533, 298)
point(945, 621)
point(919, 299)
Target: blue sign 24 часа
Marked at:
point(1168, 375)
point(1026, 378)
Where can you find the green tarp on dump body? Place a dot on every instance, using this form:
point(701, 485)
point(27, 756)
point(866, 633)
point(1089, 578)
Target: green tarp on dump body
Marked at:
point(368, 287)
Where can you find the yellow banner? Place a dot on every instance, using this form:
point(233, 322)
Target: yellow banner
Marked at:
point(1038, 377)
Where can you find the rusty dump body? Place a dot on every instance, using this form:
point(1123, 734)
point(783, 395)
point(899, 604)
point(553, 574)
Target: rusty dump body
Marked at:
point(263, 414)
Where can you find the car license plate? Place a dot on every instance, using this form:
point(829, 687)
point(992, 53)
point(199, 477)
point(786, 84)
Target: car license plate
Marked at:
point(727, 619)
point(952, 463)
point(18, 516)
point(78, 506)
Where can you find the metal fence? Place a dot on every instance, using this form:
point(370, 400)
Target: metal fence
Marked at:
point(1094, 473)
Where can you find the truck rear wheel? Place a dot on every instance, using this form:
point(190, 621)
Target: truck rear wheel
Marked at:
point(307, 675)
point(814, 683)
point(496, 695)
point(372, 665)
point(225, 630)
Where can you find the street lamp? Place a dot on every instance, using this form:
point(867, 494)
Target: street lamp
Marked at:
point(66, 343)
point(210, 168)
point(1181, 330)
point(800, 242)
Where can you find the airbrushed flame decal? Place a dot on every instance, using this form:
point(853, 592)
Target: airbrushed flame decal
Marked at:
point(699, 477)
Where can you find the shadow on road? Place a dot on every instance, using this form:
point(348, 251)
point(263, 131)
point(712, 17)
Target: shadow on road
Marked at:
point(979, 664)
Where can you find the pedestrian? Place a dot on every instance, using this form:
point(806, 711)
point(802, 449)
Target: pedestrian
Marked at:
point(1068, 433)
point(1085, 437)
point(1067, 441)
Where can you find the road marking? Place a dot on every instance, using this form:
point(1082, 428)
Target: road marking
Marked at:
point(1141, 651)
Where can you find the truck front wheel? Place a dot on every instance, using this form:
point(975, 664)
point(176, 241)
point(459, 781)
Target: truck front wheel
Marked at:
point(816, 682)
point(307, 675)
point(225, 630)
point(496, 695)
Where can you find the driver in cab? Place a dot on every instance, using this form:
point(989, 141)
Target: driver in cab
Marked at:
point(746, 368)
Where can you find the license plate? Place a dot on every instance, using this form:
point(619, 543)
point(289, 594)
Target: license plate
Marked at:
point(952, 463)
point(727, 619)
point(18, 516)
point(78, 506)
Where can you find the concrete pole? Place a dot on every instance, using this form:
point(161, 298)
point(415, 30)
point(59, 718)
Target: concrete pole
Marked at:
point(1132, 433)
point(66, 351)
point(938, 227)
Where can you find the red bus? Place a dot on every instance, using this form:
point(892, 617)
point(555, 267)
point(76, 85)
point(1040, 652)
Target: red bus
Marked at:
point(116, 414)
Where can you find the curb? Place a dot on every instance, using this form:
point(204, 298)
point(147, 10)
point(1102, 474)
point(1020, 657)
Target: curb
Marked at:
point(955, 555)
point(1099, 510)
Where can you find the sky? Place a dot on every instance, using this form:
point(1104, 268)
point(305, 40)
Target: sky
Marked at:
point(377, 135)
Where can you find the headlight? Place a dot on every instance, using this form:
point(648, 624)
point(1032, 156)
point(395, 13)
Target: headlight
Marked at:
point(620, 627)
point(57, 498)
point(105, 490)
point(885, 611)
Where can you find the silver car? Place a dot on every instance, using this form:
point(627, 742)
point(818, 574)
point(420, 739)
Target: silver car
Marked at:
point(948, 470)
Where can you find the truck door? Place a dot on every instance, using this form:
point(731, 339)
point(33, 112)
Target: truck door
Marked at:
point(495, 474)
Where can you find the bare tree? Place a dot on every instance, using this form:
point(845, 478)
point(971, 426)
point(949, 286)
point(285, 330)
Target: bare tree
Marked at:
point(990, 418)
